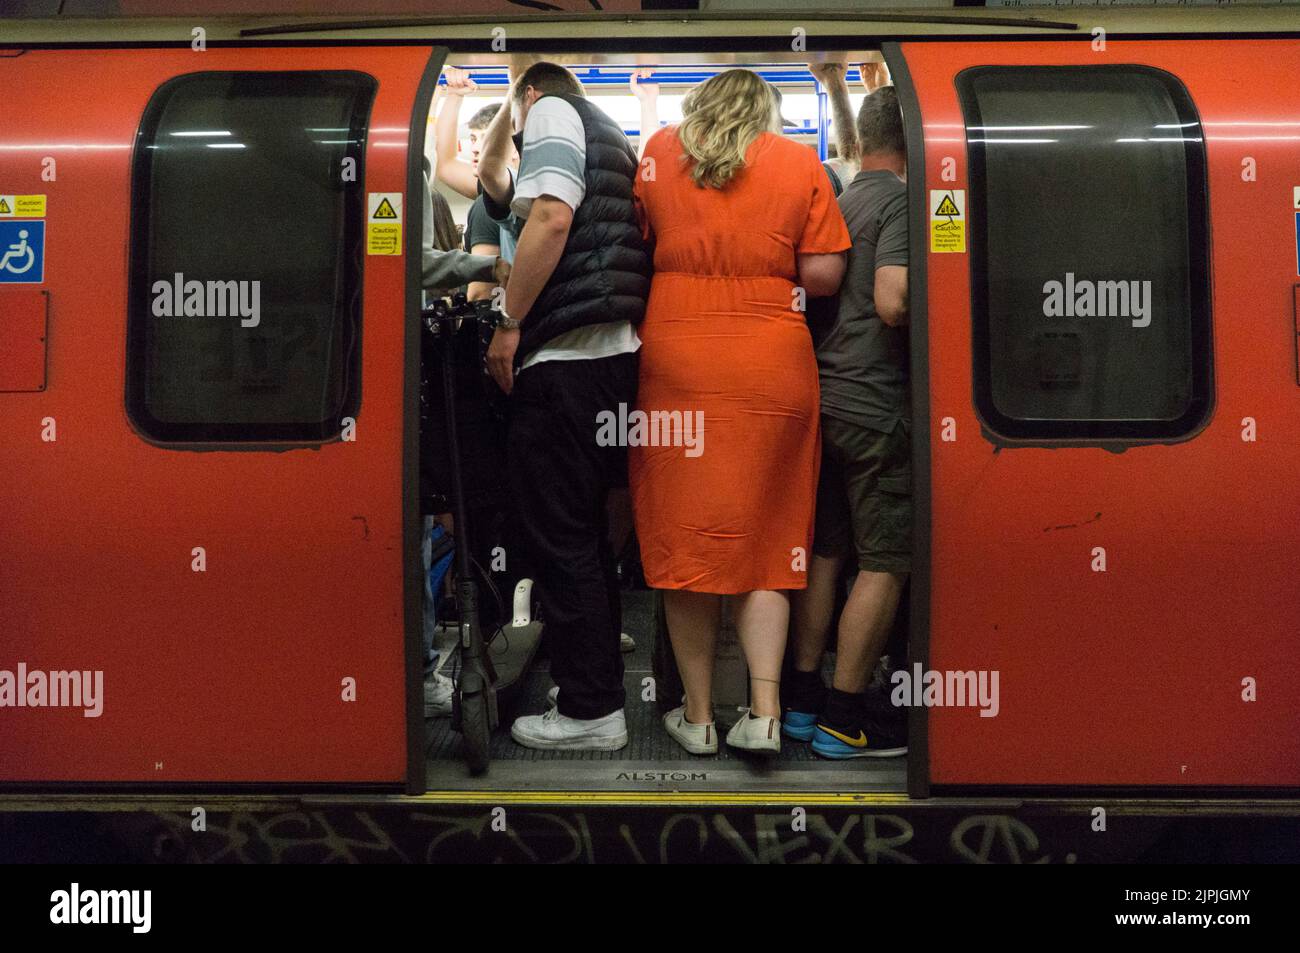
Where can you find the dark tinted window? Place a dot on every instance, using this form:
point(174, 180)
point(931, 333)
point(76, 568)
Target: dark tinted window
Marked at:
point(1088, 252)
point(239, 186)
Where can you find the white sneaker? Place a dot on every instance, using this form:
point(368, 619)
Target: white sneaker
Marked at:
point(554, 731)
point(626, 643)
point(755, 733)
point(697, 739)
point(437, 695)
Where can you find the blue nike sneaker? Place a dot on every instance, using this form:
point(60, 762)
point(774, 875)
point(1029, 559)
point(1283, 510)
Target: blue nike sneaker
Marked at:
point(882, 742)
point(798, 725)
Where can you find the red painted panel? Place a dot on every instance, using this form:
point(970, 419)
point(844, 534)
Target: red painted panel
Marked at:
point(22, 339)
point(1133, 676)
point(233, 674)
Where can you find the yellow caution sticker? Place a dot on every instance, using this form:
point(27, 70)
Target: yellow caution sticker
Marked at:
point(384, 223)
point(22, 206)
point(383, 239)
point(947, 220)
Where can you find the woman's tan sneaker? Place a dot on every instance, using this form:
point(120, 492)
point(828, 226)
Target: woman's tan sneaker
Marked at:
point(697, 739)
point(760, 734)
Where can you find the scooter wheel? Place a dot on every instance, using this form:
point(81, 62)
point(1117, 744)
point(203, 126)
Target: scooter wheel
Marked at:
point(475, 731)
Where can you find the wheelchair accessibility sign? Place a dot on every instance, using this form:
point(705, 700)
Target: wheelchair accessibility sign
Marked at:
point(22, 252)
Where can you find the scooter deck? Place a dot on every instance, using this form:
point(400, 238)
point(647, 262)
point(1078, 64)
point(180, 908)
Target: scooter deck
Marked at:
point(512, 652)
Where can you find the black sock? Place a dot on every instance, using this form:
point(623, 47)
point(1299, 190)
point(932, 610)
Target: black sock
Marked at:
point(843, 711)
point(804, 691)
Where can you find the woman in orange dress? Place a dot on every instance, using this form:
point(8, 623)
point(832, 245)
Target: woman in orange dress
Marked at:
point(745, 228)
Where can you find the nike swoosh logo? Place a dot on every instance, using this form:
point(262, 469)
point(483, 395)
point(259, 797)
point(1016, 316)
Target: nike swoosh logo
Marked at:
point(859, 742)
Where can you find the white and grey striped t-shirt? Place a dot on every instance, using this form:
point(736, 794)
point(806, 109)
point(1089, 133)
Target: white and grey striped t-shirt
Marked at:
point(553, 162)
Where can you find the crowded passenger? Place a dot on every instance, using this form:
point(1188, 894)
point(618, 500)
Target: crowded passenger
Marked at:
point(864, 492)
point(497, 175)
point(483, 234)
point(565, 349)
point(744, 224)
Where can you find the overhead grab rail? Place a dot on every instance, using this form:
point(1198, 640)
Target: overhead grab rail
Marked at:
point(619, 76)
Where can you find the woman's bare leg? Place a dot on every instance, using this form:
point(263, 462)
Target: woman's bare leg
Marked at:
point(693, 622)
point(762, 619)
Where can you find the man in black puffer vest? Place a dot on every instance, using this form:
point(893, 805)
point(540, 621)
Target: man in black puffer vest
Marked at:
point(577, 290)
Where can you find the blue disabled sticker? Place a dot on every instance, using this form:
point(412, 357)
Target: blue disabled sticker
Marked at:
point(22, 252)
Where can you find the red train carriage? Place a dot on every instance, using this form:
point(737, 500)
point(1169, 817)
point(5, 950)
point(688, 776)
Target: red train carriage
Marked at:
point(227, 529)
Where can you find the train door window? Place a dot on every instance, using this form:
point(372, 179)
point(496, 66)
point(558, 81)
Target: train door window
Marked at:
point(246, 248)
point(1089, 254)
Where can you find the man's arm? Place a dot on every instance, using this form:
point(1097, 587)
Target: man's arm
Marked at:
point(832, 78)
point(494, 157)
point(890, 294)
point(456, 173)
point(541, 244)
point(451, 269)
point(890, 291)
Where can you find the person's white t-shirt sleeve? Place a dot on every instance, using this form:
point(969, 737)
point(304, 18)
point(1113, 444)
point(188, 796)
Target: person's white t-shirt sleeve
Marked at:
point(554, 160)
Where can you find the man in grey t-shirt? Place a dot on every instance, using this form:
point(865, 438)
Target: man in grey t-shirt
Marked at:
point(861, 357)
point(864, 493)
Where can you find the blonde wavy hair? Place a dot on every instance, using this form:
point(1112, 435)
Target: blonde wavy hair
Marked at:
point(721, 117)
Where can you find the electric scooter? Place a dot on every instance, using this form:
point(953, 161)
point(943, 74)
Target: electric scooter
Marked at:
point(487, 668)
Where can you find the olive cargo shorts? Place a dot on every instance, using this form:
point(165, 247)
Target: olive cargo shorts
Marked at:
point(864, 495)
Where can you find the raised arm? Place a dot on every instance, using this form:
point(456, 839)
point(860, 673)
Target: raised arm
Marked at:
point(494, 157)
point(833, 80)
point(873, 75)
point(648, 95)
point(454, 171)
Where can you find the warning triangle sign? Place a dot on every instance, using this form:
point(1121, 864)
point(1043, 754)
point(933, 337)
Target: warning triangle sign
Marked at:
point(946, 207)
point(385, 210)
point(4, 207)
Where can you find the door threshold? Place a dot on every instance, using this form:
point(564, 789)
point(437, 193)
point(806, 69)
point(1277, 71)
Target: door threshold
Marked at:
point(692, 777)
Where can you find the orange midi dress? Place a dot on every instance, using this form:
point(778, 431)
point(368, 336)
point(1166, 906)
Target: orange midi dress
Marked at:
point(725, 341)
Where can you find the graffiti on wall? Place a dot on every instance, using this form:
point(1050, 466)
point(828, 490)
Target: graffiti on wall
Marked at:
point(527, 835)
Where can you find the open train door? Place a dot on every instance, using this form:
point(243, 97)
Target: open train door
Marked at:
point(1104, 442)
point(209, 566)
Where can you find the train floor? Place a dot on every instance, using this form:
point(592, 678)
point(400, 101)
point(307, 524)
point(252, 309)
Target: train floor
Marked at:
point(652, 760)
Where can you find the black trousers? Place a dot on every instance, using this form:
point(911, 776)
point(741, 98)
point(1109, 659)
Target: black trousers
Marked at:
point(560, 479)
